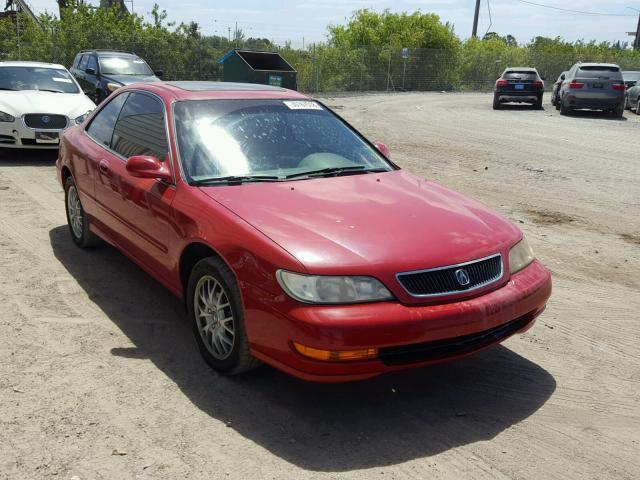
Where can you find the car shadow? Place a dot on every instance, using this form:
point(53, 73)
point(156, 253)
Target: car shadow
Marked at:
point(14, 157)
point(320, 427)
point(597, 114)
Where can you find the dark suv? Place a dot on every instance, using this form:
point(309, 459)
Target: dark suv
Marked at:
point(519, 84)
point(100, 72)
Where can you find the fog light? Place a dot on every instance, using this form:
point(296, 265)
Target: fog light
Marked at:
point(336, 355)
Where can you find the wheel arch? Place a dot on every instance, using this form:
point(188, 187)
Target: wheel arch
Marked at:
point(65, 173)
point(192, 254)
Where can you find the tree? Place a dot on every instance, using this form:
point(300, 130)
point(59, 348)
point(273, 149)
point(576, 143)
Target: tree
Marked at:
point(415, 30)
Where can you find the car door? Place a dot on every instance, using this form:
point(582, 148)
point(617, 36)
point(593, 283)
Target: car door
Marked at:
point(81, 73)
point(92, 77)
point(141, 206)
point(95, 151)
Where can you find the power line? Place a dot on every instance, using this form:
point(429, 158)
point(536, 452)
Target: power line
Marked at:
point(490, 19)
point(580, 12)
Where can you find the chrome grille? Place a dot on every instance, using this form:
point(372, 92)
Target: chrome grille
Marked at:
point(450, 280)
point(45, 121)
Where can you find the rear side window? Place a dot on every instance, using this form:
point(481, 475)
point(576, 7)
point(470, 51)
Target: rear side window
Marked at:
point(520, 75)
point(597, 71)
point(101, 127)
point(76, 61)
point(140, 130)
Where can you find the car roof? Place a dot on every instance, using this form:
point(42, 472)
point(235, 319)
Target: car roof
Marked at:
point(200, 86)
point(110, 53)
point(32, 64)
point(199, 90)
point(520, 69)
point(595, 64)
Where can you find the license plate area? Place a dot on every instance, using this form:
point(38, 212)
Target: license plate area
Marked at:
point(597, 85)
point(47, 137)
point(519, 86)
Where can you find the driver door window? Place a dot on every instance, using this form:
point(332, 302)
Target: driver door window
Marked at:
point(140, 129)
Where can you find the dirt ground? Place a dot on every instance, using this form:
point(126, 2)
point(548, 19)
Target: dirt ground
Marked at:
point(100, 377)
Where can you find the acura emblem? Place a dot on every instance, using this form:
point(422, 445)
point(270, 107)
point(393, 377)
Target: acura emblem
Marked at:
point(45, 119)
point(462, 276)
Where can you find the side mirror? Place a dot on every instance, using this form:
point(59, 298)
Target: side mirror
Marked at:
point(384, 150)
point(562, 77)
point(90, 71)
point(145, 166)
point(158, 73)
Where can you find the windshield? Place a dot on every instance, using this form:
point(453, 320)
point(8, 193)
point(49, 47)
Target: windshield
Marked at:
point(279, 138)
point(124, 66)
point(37, 78)
point(520, 74)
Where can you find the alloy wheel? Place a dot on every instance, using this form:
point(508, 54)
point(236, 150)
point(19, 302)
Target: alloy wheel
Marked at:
point(76, 215)
point(214, 317)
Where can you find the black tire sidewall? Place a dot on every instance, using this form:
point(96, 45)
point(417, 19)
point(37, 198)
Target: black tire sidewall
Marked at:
point(83, 239)
point(216, 268)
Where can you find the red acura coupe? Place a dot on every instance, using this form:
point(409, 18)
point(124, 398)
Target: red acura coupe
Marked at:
point(292, 239)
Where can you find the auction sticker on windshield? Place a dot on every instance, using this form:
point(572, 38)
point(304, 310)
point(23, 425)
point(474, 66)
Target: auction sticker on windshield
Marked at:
point(302, 105)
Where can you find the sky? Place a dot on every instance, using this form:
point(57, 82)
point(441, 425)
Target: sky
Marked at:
point(307, 20)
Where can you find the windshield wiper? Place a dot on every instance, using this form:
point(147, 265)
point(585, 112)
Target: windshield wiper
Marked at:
point(336, 171)
point(11, 89)
point(236, 179)
point(47, 90)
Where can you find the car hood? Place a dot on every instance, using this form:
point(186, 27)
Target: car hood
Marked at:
point(129, 79)
point(71, 105)
point(357, 223)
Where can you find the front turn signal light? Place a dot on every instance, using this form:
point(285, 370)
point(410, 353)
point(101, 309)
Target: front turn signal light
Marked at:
point(336, 355)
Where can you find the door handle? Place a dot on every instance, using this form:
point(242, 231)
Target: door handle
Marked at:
point(104, 167)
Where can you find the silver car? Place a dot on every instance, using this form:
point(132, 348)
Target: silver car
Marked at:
point(595, 86)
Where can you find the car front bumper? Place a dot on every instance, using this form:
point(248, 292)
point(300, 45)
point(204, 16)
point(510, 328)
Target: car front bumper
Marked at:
point(17, 135)
point(405, 336)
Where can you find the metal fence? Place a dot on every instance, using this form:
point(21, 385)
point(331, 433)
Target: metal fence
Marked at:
point(384, 69)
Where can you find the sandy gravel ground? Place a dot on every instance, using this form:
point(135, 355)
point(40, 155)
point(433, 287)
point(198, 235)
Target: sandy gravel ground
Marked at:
point(100, 378)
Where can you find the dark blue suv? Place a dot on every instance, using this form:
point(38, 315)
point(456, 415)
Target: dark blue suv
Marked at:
point(100, 72)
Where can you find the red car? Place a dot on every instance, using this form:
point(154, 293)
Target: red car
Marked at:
point(292, 239)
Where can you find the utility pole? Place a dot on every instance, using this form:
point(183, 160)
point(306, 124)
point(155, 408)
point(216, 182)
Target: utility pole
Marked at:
point(474, 32)
point(636, 43)
point(18, 31)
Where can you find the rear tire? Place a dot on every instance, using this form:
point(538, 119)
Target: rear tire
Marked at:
point(215, 310)
point(76, 217)
point(618, 112)
point(538, 104)
point(496, 102)
point(638, 107)
point(564, 110)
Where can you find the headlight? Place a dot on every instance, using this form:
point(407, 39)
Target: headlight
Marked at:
point(112, 87)
point(332, 289)
point(82, 117)
point(520, 256)
point(5, 117)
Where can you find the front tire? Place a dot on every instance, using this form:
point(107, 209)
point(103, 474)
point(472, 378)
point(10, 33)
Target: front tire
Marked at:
point(77, 218)
point(217, 317)
point(638, 107)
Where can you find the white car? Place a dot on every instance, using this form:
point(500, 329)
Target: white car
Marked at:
point(37, 102)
